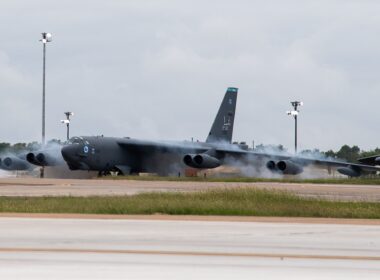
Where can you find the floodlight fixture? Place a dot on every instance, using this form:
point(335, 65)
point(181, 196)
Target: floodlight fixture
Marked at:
point(69, 114)
point(296, 104)
point(67, 122)
point(46, 37)
point(292, 113)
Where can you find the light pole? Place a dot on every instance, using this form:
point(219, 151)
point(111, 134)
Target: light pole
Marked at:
point(67, 122)
point(46, 37)
point(295, 113)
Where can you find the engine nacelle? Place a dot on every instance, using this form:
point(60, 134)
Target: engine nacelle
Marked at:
point(271, 165)
point(201, 161)
point(285, 167)
point(41, 159)
point(349, 171)
point(14, 163)
point(188, 160)
point(31, 158)
point(46, 159)
point(288, 167)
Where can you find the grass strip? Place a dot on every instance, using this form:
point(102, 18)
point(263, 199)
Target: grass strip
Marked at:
point(226, 202)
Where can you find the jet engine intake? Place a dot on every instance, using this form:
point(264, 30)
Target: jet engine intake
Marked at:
point(285, 167)
point(45, 159)
point(31, 158)
point(271, 165)
point(289, 168)
point(41, 159)
point(188, 160)
point(201, 161)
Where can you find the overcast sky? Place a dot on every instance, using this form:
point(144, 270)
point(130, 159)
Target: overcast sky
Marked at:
point(159, 69)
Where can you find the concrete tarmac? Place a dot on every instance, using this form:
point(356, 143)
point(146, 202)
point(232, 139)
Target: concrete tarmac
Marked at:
point(75, 187)
point(150, 248)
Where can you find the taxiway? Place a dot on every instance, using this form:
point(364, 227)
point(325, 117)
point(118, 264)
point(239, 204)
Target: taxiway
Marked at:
point(91, 248)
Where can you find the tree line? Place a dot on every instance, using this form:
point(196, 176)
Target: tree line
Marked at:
point(351, 153)
point(17, 148)
point(346, 152)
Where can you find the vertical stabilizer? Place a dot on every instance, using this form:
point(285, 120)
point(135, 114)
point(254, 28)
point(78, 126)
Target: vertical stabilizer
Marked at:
point(222, 128)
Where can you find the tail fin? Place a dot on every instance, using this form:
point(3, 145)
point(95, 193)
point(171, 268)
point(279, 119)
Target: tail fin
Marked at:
point(221, 130)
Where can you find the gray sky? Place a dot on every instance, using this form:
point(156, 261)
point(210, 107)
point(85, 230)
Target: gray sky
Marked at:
point(159, 69)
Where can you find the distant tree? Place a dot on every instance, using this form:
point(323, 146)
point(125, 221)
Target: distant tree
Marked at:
point(348, 153)
point(271, 148)
point(281, 148)
point(330, 153)
point(370, 153)
point(24, 147)
point(260, 147)
point(18, 147)
point(55, 141)
point(33, 146)
point(4, 147)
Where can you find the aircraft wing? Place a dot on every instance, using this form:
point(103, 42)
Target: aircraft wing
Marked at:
point(334, 163)
point(221, 152)
point(346, 168)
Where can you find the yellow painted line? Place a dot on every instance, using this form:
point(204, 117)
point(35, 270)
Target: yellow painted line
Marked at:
point(187, 253)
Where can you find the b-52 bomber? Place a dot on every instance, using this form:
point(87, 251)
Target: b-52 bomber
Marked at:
point(126, 155)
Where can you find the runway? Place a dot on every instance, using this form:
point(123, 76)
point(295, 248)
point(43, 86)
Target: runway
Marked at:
point(95, 187)
point(150, 248)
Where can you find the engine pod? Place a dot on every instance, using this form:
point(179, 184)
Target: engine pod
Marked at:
point(289, 168)
point(14, 163)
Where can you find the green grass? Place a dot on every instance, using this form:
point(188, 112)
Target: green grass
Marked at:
point(237, 202)
point(353, 181)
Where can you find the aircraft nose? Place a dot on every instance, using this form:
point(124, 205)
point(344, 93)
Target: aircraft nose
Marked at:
point(68, 152)
point(74, 157)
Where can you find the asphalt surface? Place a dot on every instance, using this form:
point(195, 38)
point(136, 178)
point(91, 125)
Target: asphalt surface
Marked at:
point(74, 187)
point(69, 246)
point(150, 248)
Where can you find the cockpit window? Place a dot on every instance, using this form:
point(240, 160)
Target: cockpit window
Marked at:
point(76, 140)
